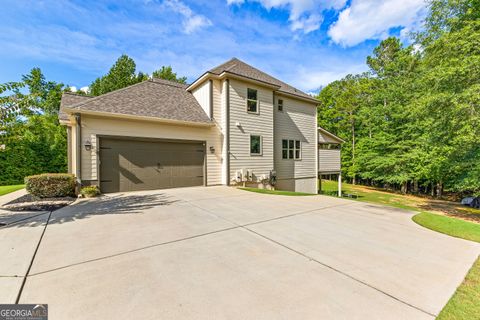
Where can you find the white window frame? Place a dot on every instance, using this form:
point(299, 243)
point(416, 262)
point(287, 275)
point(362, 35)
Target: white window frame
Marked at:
point(256, 101)
point(261, 145)
point(294, 150)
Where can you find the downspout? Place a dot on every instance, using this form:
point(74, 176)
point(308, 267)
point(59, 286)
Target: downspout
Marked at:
point(211, 98)
point(78, 145)
point(227, 131)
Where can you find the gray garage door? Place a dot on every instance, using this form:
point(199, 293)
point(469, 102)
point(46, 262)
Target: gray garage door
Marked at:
point(131, 165)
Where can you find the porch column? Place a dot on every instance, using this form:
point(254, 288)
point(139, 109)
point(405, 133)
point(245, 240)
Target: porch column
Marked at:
point(340, 184)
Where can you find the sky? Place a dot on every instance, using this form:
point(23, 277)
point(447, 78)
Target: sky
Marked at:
point(306, 43)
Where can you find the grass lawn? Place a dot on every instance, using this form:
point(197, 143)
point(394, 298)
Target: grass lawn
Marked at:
point(465, 303)
point(277, 192)
point(8, 189)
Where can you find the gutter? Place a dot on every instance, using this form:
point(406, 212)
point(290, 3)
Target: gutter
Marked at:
point(142, 118)
point(227, 131)
point(78, 145)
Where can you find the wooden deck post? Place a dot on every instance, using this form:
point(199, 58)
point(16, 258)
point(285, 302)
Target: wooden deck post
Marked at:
point(340, 184)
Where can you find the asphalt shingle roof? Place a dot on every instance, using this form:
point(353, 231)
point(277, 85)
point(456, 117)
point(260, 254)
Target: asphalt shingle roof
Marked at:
point(238, 67)
point(69, 99)
point(154, 98)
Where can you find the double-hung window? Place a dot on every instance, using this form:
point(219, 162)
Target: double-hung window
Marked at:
point(280, 104)
point(255, 145)
point(252, 101)
point(291, 149)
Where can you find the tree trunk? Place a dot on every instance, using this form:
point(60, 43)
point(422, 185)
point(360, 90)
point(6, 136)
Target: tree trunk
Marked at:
point(432, 192)
point(415, 186)
point(403, 187)
point(439, 189)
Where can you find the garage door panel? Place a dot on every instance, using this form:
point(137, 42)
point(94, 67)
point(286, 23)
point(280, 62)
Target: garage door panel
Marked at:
point(131, 165)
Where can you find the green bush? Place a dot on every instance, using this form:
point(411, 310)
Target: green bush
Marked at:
point(90, 191)
point(51, 185)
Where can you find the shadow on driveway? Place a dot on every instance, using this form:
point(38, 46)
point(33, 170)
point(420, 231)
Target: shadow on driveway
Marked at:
point(118, 204)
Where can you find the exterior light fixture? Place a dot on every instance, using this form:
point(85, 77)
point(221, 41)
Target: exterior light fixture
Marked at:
point(212, 149)
point(88, 145)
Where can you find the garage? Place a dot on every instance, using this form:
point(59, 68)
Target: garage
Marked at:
point(130, 164)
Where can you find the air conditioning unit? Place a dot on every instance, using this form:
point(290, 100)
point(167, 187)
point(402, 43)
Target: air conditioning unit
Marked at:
point(249, 175)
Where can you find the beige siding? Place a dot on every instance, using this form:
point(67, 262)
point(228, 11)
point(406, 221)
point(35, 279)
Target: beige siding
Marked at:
point(94, 126)
point(325, 138)
point(307, 185)
point(256, 124)
point(297, 121)
point(328, 160)
point(202, 95)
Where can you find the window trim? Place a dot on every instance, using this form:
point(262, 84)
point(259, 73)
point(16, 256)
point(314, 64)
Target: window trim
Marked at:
point(294, 149)
point(261, 145)
point(257, 102)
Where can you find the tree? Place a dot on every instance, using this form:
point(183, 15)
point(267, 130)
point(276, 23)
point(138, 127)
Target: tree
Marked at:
point(167, 73)
point(122, 74)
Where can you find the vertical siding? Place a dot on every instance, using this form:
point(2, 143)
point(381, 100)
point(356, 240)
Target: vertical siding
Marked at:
point(202, 94)
point(297, 121)
point(328, 160)
point(257, 124)
point(93, 126)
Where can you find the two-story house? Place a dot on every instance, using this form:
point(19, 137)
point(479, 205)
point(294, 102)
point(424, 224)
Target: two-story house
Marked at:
point(235, 125)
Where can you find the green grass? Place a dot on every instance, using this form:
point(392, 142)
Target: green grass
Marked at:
point(7, 189)
point(451, 226)
point(277, 192)
point(465, 303)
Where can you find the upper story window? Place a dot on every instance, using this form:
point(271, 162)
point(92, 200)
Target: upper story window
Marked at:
point(252, 101)
point(291, 149)
point(280, 104)
point(255, 145)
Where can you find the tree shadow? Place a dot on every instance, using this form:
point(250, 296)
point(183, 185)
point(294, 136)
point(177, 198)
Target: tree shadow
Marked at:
point(116, 204)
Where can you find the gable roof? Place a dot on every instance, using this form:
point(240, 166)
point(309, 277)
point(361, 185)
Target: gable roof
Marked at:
point(240, 68)
point(68, 99)
point(330, 135)
point(154, 98)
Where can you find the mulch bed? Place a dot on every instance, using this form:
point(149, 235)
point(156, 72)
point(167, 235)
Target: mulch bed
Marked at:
point(29, 202)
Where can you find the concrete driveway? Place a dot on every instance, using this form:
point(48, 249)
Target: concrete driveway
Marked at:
point(223, 253)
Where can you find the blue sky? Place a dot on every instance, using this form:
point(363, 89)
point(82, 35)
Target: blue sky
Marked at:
point(307, 43)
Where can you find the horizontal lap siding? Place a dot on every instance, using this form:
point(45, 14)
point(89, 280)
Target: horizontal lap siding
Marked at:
point(93, 126)
point(256, 124)
point(297, 121)
point(328, 160)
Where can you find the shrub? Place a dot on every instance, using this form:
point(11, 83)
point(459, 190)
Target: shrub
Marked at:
point(90, 191)
point(51, 185)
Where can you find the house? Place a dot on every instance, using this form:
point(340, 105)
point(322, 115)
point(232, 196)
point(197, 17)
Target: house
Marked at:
point(235, 125)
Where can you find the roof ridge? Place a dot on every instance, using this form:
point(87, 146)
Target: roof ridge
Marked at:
point(76, 105)
point(169, 83)
point(77, 94)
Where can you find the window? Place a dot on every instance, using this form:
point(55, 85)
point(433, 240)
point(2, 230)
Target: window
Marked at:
point(256, 145)
point(252, 102)
point(280, 105)
point(291, 149)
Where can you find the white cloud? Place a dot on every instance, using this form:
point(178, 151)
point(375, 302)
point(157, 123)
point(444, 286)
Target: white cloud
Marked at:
point(372, 19)
point(304, 15)
point(85, 89)
point(311, 79)
point(73, 88)
point(191, 20)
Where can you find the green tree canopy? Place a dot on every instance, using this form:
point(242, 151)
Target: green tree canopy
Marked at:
point(122, 74)
point(167, 73)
